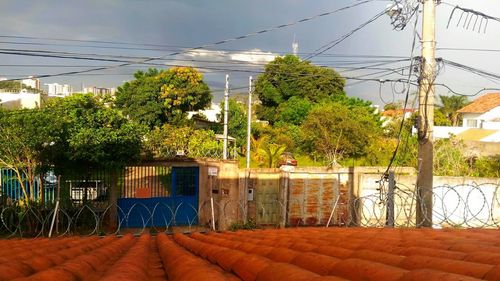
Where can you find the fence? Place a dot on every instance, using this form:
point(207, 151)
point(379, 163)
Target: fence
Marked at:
point(11, 187)
point(467, 205)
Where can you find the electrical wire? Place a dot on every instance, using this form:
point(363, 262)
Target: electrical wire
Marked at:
point(252, 34)
point(339, 40)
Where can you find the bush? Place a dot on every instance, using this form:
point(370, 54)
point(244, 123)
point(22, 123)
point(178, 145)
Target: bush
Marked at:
point(249, 225)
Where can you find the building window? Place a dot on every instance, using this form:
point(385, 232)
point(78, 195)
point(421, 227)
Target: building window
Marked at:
point(472, 123)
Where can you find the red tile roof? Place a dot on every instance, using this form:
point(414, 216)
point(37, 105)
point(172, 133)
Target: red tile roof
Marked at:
point(397, 112)
point(305, 254)
point(482, 104)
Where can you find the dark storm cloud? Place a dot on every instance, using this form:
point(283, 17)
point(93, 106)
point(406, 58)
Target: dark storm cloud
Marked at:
point(190, 23)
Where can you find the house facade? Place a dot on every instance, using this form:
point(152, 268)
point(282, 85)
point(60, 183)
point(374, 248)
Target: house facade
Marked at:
point(482, 113)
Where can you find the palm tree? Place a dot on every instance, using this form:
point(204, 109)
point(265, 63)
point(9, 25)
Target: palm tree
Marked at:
point(267, 154)
point(450, 106)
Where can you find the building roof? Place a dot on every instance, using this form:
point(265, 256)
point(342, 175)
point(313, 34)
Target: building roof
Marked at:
point(397, 112)
point(312, 254)
point(482, 104)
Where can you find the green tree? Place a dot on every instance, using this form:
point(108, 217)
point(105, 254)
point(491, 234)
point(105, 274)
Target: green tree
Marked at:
point(156, 97)
point(266, 153)
point(168, 141)
point(25, 138)
point(393, 106)
point(16, 86)
point(450, 106)
point(335, 131)
point(184, 91)
point(93, 134)
point(440, 119)
point(237, 122)
point(287, 77)
point(294, 110)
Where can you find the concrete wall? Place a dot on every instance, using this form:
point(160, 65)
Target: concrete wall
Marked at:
point(458, 201)
point(308, 195)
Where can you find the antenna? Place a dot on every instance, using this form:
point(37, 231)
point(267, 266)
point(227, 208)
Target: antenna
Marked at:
point(295, 47)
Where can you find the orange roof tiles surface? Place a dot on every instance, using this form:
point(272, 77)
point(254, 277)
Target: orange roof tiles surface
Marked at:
point(396, 112)
point(482, 104)
point(293, 254)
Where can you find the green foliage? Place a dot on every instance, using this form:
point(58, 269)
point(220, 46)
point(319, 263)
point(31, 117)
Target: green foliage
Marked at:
point(393, 106)
point(488, 167)
point(156, 97)
point(140, 99)
point(166, 142)
point(16, 87)
point(449, 158)
point(93, 134)
point(267, 153)
point(336, 131)
point(288, 77)
point(184, 90)
point(294, 110)
point(25, 138)
point(440, 119)
point(239, 225)
point(237, 122)
point(450, 106)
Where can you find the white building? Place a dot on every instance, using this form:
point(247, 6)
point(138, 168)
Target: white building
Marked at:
point(22, 99)
point(483, 113)
point(210, 113)
point(480, 129)
point(58, 90)
point(31, 82)
point(99, 90)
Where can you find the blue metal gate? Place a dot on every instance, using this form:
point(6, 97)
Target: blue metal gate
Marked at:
point(10, 187)
point(178, 207)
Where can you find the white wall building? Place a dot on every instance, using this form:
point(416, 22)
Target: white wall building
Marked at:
point(23, 99)
point(31, 82)
point(210, 113)
point(481, 122)
point(58, 90)
point(99, 90)
point(483, 113)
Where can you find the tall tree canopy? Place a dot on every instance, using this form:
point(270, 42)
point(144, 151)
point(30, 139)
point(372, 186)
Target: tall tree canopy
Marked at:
point(157, 97)
point(93, 134)
point(288, 77)
point(336, 131)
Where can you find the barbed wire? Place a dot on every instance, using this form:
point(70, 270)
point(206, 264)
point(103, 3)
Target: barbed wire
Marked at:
point(458, 206)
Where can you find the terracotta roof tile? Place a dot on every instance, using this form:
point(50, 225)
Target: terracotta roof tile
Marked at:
point(482, 104)
point(305, 254)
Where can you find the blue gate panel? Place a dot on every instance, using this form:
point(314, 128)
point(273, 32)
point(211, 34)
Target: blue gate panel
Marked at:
point(181, 208)
point(159, 211)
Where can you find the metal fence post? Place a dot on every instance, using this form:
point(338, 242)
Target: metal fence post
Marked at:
point(390, 200)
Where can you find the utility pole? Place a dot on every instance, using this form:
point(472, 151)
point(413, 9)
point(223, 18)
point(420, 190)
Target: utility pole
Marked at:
point(426, 116)
point(249, 119)
point(226, 109)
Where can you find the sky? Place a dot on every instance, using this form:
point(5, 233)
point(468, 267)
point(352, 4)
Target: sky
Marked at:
point(158, 28)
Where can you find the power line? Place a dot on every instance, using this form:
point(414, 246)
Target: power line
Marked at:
point(339, 40)
point(479, 72)
point(468, 49)
point(217, 42)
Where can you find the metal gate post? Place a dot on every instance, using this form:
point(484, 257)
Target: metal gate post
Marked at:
point(390, 201)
